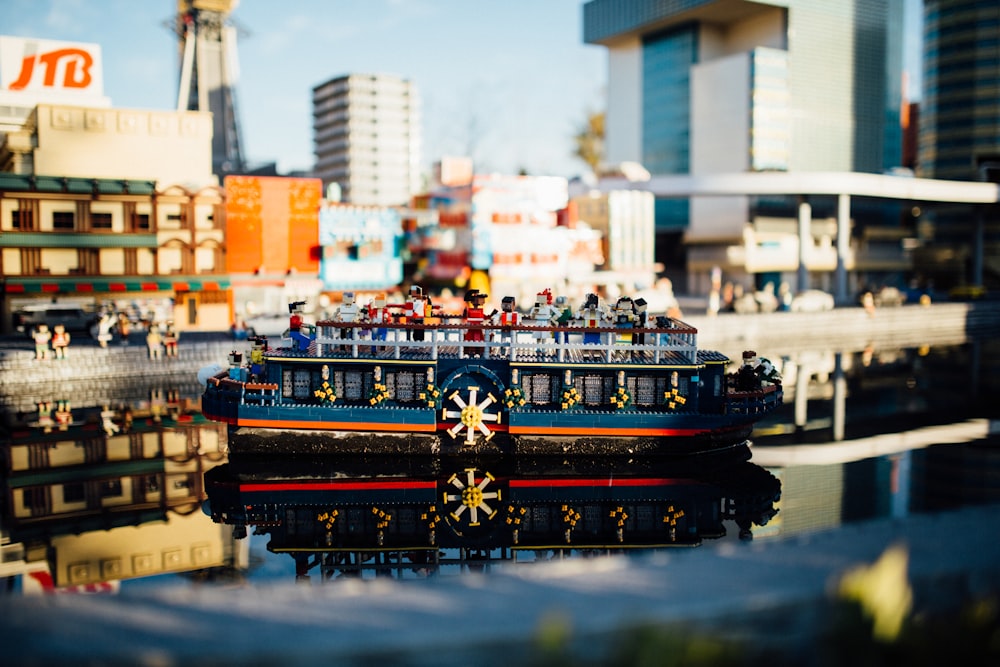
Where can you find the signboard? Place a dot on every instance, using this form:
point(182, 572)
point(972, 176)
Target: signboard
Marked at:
point(45, 70)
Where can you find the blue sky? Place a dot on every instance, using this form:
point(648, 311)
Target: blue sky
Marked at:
point(515, 74)
point(508, 82)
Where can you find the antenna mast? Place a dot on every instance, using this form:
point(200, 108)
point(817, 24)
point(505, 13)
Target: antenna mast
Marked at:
point(208, 76)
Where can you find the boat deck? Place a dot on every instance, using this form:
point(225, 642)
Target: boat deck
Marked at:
point(672, 345)
point(618, 355)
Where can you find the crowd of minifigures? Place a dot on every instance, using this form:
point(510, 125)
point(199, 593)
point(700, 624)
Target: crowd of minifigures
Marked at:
point(54, 343)
point(547, 311)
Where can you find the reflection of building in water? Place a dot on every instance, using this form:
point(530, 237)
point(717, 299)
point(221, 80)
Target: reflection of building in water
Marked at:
point(418, 515)
point(842, 395)
point(894, 474)
point(88, 509)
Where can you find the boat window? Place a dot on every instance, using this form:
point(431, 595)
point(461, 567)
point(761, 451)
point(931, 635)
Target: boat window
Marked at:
point(645, 390)
point(302, 384)
point(353, 386)
point(593, 390)
point(286, 383)
point(645, 520)
point(405, 383)
point(541, 388)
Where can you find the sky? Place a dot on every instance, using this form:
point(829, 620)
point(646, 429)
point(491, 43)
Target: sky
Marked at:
point(507, 82)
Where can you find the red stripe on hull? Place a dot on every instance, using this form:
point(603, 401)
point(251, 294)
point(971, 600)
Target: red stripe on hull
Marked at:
point(582, 432)
point(598, 482)
point(335, 426)
point(337, 486)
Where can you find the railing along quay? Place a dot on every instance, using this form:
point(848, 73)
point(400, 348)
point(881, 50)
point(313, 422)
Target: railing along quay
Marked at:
point(848, 329)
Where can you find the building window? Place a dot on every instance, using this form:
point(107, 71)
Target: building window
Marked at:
point(20, 220)
point(142, 221)
point(111, 488)
point(63, 220)
point(73, 493)
point(100, 221)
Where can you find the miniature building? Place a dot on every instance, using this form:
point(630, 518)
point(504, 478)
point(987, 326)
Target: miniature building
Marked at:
point(367, 138)
point(275, 262)
point(103, 203)
point(360, 247)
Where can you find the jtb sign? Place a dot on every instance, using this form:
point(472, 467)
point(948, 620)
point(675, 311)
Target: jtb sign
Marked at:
point(35, 65)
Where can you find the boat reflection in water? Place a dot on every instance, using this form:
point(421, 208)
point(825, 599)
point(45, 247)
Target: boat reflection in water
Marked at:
point(420, 515)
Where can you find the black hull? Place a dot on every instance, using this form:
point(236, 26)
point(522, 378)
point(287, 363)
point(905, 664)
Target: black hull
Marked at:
point(268, 441)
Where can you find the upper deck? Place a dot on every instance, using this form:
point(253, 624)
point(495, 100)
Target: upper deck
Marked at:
point(671, 342)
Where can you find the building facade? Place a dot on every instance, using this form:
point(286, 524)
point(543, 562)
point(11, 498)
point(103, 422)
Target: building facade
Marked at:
point(367, 138)
point(360, 247)
point(960, 111)
point(704, 87)
point(113, 206)
point(272, 232)
point(959, 135)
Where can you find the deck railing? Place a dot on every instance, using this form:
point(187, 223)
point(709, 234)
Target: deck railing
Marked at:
point(511, 342)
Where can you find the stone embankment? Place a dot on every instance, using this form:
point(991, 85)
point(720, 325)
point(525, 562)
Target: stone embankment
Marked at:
point(92, 376)
point(847, 329)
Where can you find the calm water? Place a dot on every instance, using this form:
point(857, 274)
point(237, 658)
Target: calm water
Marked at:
point(151, 499)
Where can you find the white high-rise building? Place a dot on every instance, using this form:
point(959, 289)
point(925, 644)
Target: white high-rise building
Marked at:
point(367, 138)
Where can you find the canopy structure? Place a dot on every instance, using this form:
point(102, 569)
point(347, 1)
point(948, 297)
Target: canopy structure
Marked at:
point(842, 185)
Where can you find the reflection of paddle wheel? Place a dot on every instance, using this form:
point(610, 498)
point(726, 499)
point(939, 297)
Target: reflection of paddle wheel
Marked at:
point(472, 502)
point(471, 415)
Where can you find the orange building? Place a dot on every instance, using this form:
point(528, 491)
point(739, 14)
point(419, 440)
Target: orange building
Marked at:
point(272, 241)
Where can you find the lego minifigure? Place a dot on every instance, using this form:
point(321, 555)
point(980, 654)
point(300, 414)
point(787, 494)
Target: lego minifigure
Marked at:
point(298, 330)
point(45, 420)
point(236, 370)
point(639, 308)
point(42, 337)
point(565, 312)
point(64, 415)
point(154, 341)
point(507, 317)
point(746, 377)
point(60, 341)
point(767, 373)
point(543, 314)
point(591, 315)
point(624, 319)
point(124, 327)
point(257, 356)
point(378, 313)
point(474, 315)
point(349, 312)
point(416, 309)
point(104, 326)
point(107, 422)
point(170, 337)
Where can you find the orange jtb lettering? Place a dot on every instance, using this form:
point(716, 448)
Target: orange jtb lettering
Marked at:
point(77, 74)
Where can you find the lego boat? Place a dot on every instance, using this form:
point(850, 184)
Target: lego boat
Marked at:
point(439, 386)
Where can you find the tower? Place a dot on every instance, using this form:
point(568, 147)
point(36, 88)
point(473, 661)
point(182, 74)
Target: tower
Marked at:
point(208, 75)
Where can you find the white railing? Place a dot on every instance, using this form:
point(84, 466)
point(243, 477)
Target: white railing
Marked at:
point(519, 342)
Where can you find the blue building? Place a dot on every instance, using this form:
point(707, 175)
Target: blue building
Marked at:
point(360, 247)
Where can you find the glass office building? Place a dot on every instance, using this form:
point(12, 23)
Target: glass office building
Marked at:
point(730, 86)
